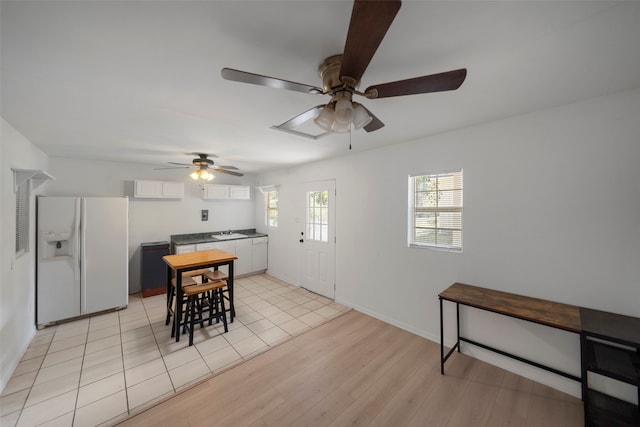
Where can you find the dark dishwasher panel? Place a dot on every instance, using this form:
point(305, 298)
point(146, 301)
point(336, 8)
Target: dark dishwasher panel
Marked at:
point(153, 274)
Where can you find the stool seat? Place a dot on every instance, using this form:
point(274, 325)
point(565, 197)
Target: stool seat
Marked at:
point(213, 276)
point(186, 281)
point(194, 273)
point(204, 287)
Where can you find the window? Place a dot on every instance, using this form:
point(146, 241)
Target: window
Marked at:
point(271, 208)
point(435, 210)
point(22, 218)
point(318, 215)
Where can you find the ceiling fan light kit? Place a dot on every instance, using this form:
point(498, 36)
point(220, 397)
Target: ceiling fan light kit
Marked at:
point(341, 114)
point(202, 175)
point(341, 76)
point(204, 168)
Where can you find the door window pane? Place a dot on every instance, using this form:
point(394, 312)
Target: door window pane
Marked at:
point(318, 215)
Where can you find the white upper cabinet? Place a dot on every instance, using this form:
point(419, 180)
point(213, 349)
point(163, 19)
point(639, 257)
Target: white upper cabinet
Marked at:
point(158, 189)
point(174, 190)
point(226, 192)
point(239, 192)
point(214, 191)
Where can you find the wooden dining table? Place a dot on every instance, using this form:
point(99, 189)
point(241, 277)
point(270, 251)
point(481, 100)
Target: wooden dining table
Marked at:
point(180, 263)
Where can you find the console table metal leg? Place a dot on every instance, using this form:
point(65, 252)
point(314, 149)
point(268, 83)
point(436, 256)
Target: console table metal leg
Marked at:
point(444, 357)
point(441, 341)
point(458, 326)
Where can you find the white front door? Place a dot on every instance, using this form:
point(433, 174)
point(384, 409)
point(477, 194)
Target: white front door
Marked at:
point(318, 237)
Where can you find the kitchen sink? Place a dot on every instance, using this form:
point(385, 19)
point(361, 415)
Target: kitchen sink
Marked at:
point(229, 236)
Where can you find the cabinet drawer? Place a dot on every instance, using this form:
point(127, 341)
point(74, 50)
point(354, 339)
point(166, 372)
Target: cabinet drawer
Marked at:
point(260, 240)
point(185, 249)
point(206, 246)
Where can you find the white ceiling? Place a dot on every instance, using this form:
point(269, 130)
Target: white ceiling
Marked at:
point(140, 81)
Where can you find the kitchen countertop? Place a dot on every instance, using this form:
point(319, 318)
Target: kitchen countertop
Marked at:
point(190, 239)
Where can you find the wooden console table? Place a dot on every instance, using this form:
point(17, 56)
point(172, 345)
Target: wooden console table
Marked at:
point(609, 345)
point(549, 313)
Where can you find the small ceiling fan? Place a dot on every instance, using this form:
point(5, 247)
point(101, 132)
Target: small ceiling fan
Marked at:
point(204, 167)
point(341, 75)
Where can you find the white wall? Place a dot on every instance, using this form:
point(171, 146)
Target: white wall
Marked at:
point(152, 220)
point(17, 284)
point(552, 210)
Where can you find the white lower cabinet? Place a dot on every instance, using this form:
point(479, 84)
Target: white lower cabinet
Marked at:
point(251, 253)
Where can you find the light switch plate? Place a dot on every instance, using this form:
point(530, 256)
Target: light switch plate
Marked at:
point(204, 216)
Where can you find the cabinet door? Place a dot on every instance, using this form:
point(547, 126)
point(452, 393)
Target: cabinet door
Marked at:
point(239, 192)
point(174, 190)
point(260, 250)
point(216, 191)
point(244, 252)
point(229, 246)
point(148, 189)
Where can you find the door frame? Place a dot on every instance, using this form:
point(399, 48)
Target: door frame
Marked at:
point(326, 289)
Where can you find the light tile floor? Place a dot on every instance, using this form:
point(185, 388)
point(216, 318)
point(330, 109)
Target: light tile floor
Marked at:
point(100, 370)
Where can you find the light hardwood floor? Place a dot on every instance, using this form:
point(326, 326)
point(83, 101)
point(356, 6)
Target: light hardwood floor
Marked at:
point(356, 370)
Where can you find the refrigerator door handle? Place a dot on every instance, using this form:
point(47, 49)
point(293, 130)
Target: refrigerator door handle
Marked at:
point(81, 259)
point(75, 241)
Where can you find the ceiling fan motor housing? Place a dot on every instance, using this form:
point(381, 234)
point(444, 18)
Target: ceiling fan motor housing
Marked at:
point(202, 162)
point(329, 72)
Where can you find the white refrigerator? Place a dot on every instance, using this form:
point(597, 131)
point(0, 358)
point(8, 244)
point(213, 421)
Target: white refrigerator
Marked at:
point(82, 259)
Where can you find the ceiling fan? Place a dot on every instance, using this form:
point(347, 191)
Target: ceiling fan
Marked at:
point(204, 167)
point(341, 76)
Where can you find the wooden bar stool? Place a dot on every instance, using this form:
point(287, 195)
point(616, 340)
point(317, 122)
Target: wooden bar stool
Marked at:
point(202, 298)
point(186, 281)
point(212, 276)
point(188, 278)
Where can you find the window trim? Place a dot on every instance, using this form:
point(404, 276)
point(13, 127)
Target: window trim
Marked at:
point(22, 208)
point(412, 210)
point(267, 209)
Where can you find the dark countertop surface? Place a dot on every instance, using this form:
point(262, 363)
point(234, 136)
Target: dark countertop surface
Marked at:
point(190, 239)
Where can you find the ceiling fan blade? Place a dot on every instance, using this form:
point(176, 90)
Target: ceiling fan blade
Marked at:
point(374, 124)
point(370, 21)
point(180, 164)
point(449, 80)
point(175, 167)
point(229, 167)
point(219, 169)
point(257, 79)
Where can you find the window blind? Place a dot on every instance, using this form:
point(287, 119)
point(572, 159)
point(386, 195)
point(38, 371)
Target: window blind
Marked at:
point(22, 218)
point(436, 202)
